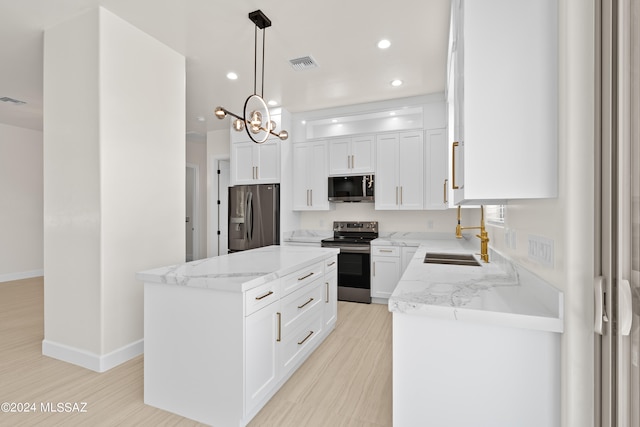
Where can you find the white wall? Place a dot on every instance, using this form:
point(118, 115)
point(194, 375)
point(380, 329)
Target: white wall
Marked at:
point(569, 219)
point(21, 241)
point(114, 170)
point(390, 221)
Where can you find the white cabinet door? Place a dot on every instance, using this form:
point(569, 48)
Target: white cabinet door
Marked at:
point(267, 163)
point(400, 171)
point(300, 188)
point(242, 164)
point(340, 156)
point(261, 355)
point(255, 163)
point(386, 180)
point(385, 273)
point(310, 176)
point(362, 154)
point(317, 179)
point(506, 96)
point(436, 170)
point(411, 171)
point(330, 313)
point(351, 156)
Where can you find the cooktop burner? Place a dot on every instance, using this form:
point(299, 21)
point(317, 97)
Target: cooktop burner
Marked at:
point(353, 232)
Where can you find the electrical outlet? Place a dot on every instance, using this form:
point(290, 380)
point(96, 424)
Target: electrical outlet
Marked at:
point(430, 224)
point(541, 250)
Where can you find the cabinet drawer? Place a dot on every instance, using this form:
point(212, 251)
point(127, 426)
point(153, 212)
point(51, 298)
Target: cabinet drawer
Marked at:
point(296, 348)
point(262, 296)
point(301, 278)
point(299, 306)
point(385, 251)
point(330, 264)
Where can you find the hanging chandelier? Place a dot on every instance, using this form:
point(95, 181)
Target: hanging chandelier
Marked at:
point(255, 119)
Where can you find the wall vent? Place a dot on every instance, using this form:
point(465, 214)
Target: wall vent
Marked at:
point(12, 101)
point(303, 63)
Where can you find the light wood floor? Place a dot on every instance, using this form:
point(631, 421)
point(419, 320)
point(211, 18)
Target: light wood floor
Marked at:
point(346, 382)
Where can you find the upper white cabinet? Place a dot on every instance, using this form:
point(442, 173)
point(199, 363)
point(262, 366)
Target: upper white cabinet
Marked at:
point(352, 156)
point(436, 160)
point(310, 176)
point(253, 163)
point(399, 173)
point(503, 99)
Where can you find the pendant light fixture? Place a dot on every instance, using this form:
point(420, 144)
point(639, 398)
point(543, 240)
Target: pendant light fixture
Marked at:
point(255, 119)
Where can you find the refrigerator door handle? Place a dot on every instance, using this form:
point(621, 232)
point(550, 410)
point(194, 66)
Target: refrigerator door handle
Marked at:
point(249, 216)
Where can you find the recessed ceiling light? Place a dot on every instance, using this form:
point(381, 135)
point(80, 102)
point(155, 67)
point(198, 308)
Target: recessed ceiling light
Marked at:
point(232, 76)
point(272, 103)
point(334, 120)
point(304, 122)
point(396, 83)
point(384, 44)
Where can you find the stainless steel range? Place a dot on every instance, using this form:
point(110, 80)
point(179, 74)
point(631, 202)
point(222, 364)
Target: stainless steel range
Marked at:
point(354, 276)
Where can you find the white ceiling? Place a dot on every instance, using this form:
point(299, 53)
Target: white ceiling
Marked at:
point(217, 37)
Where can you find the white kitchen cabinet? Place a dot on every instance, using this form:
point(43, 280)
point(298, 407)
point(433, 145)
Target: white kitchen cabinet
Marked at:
point(400, 171)
point(436, 170)
point(352, 156)
point(253, 163)
point(503, 89)
point(262, 364)
point(310, 176)
point(385, 270)
point(216, 353)
point(330, 314)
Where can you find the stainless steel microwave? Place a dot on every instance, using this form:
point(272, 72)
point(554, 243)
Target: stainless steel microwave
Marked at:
point(357, 188)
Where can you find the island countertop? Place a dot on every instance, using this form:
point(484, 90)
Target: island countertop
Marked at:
point(240, 271)
point(498, 293)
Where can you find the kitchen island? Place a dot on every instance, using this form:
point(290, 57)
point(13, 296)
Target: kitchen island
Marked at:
point(474, 345)
point(223, 334)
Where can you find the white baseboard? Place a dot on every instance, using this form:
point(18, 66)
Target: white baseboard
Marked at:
point(8, 277)
point(89, 360)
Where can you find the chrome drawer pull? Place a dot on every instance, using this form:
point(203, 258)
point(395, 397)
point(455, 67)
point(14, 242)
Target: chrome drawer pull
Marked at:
point(305, 338)
point(310, 299)
point(327, 284)
point(386, 250)
point(304, 277)
point(330, 264)
point(265, 295)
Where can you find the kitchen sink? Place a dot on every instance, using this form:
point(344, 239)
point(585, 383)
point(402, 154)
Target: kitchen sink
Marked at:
point(451, 259)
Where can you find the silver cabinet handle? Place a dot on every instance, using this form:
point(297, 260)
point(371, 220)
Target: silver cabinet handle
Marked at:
point(400, 194)
point(386, 250)
point(257, 174)
point(311, 192)
point(279, 327)
point(374, 268)
point(446, 199)
point(396, 195)
point(331, 263)
point(327, 286)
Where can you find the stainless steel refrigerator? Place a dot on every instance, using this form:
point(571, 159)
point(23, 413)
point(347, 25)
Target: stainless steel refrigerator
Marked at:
point(254, 216)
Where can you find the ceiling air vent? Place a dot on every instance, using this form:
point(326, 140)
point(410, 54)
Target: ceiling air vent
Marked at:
point(303, 63)
point(12, 101)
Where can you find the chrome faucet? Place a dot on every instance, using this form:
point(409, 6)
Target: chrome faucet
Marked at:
point(483, 236)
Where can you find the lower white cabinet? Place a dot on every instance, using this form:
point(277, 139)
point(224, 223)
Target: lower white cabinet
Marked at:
point(217, 357)
point(388, 263)
point(385, 270)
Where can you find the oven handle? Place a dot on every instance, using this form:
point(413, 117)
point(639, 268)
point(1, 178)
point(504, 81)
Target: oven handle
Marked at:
point(351, 249)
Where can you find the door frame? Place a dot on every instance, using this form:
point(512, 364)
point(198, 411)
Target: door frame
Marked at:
point(195, 217)
point(213, 225)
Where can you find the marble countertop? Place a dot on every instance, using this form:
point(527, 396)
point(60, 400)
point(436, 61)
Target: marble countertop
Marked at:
point(498, 293)
point(307, 236)
point(240, 271)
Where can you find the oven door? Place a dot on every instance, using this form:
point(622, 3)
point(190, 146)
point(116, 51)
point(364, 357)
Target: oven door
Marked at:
point(354, 274)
